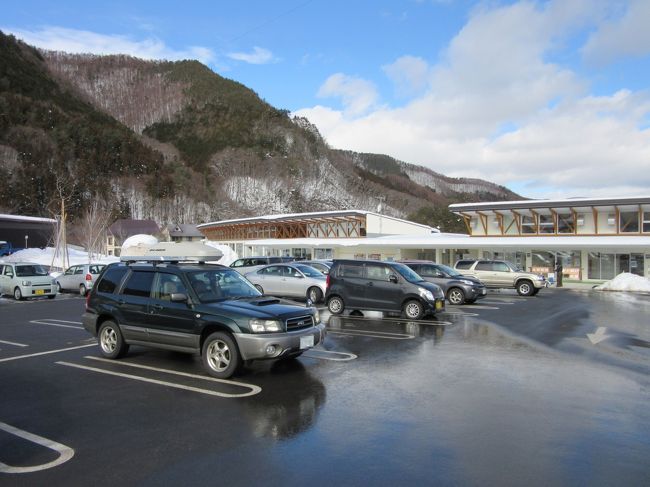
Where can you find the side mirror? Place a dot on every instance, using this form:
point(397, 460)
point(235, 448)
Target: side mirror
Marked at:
point(178, 297)
point(393, 278)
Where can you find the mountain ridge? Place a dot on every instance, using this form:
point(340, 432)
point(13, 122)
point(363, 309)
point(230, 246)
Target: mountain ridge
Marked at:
point(211, 148)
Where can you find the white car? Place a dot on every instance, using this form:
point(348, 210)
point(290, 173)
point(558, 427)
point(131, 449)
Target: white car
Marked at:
point(290, 280)
point(79, 278)
point(26, 280)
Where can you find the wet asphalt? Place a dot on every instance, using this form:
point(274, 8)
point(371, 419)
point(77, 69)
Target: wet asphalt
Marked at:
point(510, 391)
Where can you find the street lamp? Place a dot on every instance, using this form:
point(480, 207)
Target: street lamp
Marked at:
point(26, 237)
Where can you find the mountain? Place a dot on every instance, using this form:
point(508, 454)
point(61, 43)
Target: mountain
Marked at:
point(175, 142)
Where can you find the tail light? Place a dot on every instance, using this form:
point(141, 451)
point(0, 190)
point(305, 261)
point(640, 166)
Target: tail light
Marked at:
point(87, 300)
point(327, 282)
point(89, 277)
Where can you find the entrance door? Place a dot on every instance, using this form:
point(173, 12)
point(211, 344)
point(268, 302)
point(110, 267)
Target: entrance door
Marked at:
point(622, 263)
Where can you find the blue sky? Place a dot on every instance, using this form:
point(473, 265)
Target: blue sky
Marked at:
point(549, 98)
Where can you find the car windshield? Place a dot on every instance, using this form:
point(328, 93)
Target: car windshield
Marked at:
point(407, 273)
point(30, 270)
point(513, 267)
point(310, 271)
point(449, 271)
point(220, 284)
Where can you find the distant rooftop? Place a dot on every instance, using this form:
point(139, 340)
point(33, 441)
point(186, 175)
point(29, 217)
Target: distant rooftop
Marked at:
point(552, 203)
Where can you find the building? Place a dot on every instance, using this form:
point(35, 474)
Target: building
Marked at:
point(182, 233)
point(593, 239)
point(122, 229)
point(27, 231)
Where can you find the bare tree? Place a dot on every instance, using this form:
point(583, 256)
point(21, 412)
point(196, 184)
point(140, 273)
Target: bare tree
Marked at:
point(93, 225)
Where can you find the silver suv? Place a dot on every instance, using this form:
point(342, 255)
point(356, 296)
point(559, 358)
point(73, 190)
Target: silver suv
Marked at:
point(502, 274)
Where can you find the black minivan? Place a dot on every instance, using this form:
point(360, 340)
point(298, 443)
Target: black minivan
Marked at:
point(381, 286)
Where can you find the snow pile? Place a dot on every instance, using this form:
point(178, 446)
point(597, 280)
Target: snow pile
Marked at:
point(45, 256)
point(139, 239)
point(626, 282)
point(229, 255)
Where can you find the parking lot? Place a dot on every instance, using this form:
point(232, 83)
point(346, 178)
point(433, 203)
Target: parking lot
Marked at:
point(545, 390)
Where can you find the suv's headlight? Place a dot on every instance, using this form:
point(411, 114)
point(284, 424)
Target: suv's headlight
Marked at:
point(261, 326)
point(26, 283)
point(540, 278)
point(316, 316)
point(426, 294)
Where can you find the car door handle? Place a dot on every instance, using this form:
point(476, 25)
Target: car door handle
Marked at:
point(158, 307)
point(370, 283)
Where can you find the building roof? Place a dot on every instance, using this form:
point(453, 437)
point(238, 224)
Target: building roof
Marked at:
point(551, 203)
point(293, 217)
point(125, 228)
point(184, 230)
point(29, 219)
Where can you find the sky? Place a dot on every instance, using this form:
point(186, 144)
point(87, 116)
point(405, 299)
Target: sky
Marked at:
point(548, 98)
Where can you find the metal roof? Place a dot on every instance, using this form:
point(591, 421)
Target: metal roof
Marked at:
point(554, 203)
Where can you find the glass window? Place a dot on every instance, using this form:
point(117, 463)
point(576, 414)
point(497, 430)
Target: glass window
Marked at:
point(546, 224)
point(111, 280)
point(500, 267)
point(309, 271)
point(566, 224)
point(139, 284)
point(30, 270)
point(628, 221)
point(646, 221)
point(528, 224)
point(464, 264)
point(350, 270)
point(79, 270)
point(378, 272)
point(483, 266)
point(218, 284)
point(70, 271)
point(166, 285)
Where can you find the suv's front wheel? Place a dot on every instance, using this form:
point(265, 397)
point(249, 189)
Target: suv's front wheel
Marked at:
point(525, 288)
point(220, 355)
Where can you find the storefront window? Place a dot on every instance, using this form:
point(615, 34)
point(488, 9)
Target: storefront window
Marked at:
point(646, 221)
point(628, 222)
point(543, 262)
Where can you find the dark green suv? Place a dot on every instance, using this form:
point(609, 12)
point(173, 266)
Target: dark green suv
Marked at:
point(196, 308)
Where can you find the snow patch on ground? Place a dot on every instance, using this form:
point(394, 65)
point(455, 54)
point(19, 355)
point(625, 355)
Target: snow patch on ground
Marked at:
point(626, 282)
point(46, 257)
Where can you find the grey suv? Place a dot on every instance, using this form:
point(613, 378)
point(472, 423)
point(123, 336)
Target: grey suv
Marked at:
point(199, 308)
point(381, 286)
point(502, 274)
point(459, 289)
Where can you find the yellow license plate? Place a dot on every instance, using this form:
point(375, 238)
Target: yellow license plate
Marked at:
point(40, 291)
point(438, 304)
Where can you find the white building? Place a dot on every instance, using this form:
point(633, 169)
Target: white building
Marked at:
point(593, 239)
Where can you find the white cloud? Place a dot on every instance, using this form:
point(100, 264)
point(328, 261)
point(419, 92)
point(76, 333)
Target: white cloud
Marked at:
point(495, 74)
point(410, 75)
point(626, 36)
point(82, 41)
point(357, 95)
point(258, 56)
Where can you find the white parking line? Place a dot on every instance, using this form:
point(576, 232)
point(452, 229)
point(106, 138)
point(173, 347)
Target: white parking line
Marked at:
point(373, 334)
point(50, 322)
point(9, 359)
point(460, 313)
point(253, 388)
point(14, 343)
point(394, 320)
point(327, 355)
point(65, 452)
point(480, 306)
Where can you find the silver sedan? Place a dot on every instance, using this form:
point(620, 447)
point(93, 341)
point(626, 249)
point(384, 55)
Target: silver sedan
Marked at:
point(290, 280)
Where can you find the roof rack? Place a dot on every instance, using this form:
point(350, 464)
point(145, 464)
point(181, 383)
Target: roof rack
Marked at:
point(171, 252)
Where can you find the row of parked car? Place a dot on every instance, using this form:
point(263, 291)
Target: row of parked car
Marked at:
point(412, 286)
point(28, 280)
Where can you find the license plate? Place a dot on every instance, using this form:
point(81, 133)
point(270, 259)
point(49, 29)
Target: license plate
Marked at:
point(39, 291)
point(438, 304)
point(306, 341)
